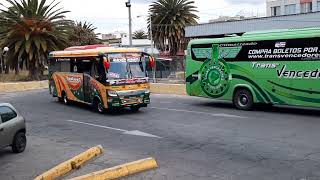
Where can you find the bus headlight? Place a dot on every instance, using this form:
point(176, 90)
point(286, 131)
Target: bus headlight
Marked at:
point(112, 93)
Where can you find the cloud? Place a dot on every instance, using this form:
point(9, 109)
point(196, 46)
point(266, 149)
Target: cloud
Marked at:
point(142, 1)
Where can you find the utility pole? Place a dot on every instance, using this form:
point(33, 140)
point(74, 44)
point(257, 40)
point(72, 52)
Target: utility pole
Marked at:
point(152, 47)
point(128, 5)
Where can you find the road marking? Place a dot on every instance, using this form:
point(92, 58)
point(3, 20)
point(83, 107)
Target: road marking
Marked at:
point(134, 132)
point(199, 112)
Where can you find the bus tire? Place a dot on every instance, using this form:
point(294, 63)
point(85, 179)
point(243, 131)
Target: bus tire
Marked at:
point(243, 99)
point(98, 106)
point(135, 108)
point(64, 98)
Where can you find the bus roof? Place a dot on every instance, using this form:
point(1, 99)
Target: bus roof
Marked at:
point(93, 52)
point(263, 35)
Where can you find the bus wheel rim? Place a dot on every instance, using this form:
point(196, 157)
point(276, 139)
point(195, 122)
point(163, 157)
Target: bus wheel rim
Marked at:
point(65, 100)
point(243, 100)
point(100, 108)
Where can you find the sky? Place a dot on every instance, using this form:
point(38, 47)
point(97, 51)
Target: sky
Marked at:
point(112, 15)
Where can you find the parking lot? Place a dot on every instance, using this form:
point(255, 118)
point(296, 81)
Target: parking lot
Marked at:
point(191, 138)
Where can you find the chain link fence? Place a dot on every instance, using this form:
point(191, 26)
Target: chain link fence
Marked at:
point(169, 71)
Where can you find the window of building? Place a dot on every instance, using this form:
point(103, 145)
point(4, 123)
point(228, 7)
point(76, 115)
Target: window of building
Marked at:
point(318, 5)
point(306, 7)
point(275, 11)
point(290, 9)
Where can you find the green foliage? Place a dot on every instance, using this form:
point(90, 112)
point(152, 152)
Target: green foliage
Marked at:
point(140, 34)
point(31, 29)
point(169, 19)
point(83, 34)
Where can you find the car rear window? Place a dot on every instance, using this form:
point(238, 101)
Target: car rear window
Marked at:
point(7, 114)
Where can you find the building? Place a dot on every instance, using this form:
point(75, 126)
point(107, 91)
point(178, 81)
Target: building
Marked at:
point(114, 35)
point(288, 7)
point(113, 39)
point(226, 18)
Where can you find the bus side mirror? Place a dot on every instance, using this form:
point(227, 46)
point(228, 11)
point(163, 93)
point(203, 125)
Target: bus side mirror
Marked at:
point(106, 63)
point(215, 52)
point(152, 62)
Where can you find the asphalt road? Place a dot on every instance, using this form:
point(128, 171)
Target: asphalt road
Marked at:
point(191, 138)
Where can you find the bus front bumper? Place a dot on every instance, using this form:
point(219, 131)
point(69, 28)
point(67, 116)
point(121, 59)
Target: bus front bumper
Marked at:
point(129, 98)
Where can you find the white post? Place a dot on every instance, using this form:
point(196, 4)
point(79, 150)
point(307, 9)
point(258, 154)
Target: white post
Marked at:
point(152, 54)
point(128, 5)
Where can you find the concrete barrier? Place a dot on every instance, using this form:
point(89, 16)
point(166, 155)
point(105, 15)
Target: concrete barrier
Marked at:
point(23, 86)
point(74, 163)
point(161, 88)
point(121, 170)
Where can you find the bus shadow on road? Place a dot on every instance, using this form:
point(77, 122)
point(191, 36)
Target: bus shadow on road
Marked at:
point(289, 110)
point(267, 108)
point(86, 107)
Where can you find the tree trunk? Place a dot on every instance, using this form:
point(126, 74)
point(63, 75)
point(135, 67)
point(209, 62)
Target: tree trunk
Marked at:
point(34, 72)
point(17, 69)
point(7, 69)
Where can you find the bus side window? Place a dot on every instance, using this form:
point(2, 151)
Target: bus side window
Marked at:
point(65, 66)
point(97, 72)
point(201, 52)
point(54, 66)
point(94, 71)
point(83, 66)
point(74, 66)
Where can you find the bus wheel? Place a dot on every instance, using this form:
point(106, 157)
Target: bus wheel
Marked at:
point(243, 100)
point(98, 106)
point(65, 99)
point(134, 108)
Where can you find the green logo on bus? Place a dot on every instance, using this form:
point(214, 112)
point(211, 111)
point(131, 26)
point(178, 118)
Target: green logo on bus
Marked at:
point(215, 78)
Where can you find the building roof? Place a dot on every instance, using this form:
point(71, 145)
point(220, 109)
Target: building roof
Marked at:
point(254, 24)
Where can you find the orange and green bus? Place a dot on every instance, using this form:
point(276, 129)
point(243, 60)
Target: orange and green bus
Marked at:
point(104, 77)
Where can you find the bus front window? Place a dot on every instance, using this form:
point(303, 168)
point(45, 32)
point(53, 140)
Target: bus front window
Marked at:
point(118, 70)
point(137, 69)
point(126, 65)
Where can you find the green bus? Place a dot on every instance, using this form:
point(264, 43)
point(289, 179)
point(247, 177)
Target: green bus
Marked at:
point(279, 67)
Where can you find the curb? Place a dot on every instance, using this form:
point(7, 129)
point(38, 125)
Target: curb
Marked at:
point(121, 170)
point(157, 88)
point(74, 163)
point(23, 86)
point(162, 88)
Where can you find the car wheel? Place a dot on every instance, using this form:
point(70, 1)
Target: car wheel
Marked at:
point(243, 99)
point(19, 142)
point(135, 108)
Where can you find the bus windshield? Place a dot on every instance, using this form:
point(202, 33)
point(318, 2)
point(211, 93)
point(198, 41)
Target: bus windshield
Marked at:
point(126, 65)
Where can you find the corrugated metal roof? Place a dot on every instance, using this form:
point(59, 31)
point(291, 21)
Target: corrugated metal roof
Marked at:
point(255, 24)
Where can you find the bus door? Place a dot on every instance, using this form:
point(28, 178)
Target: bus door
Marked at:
point(86, 88)
point(82, 67)
point(96, 74)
